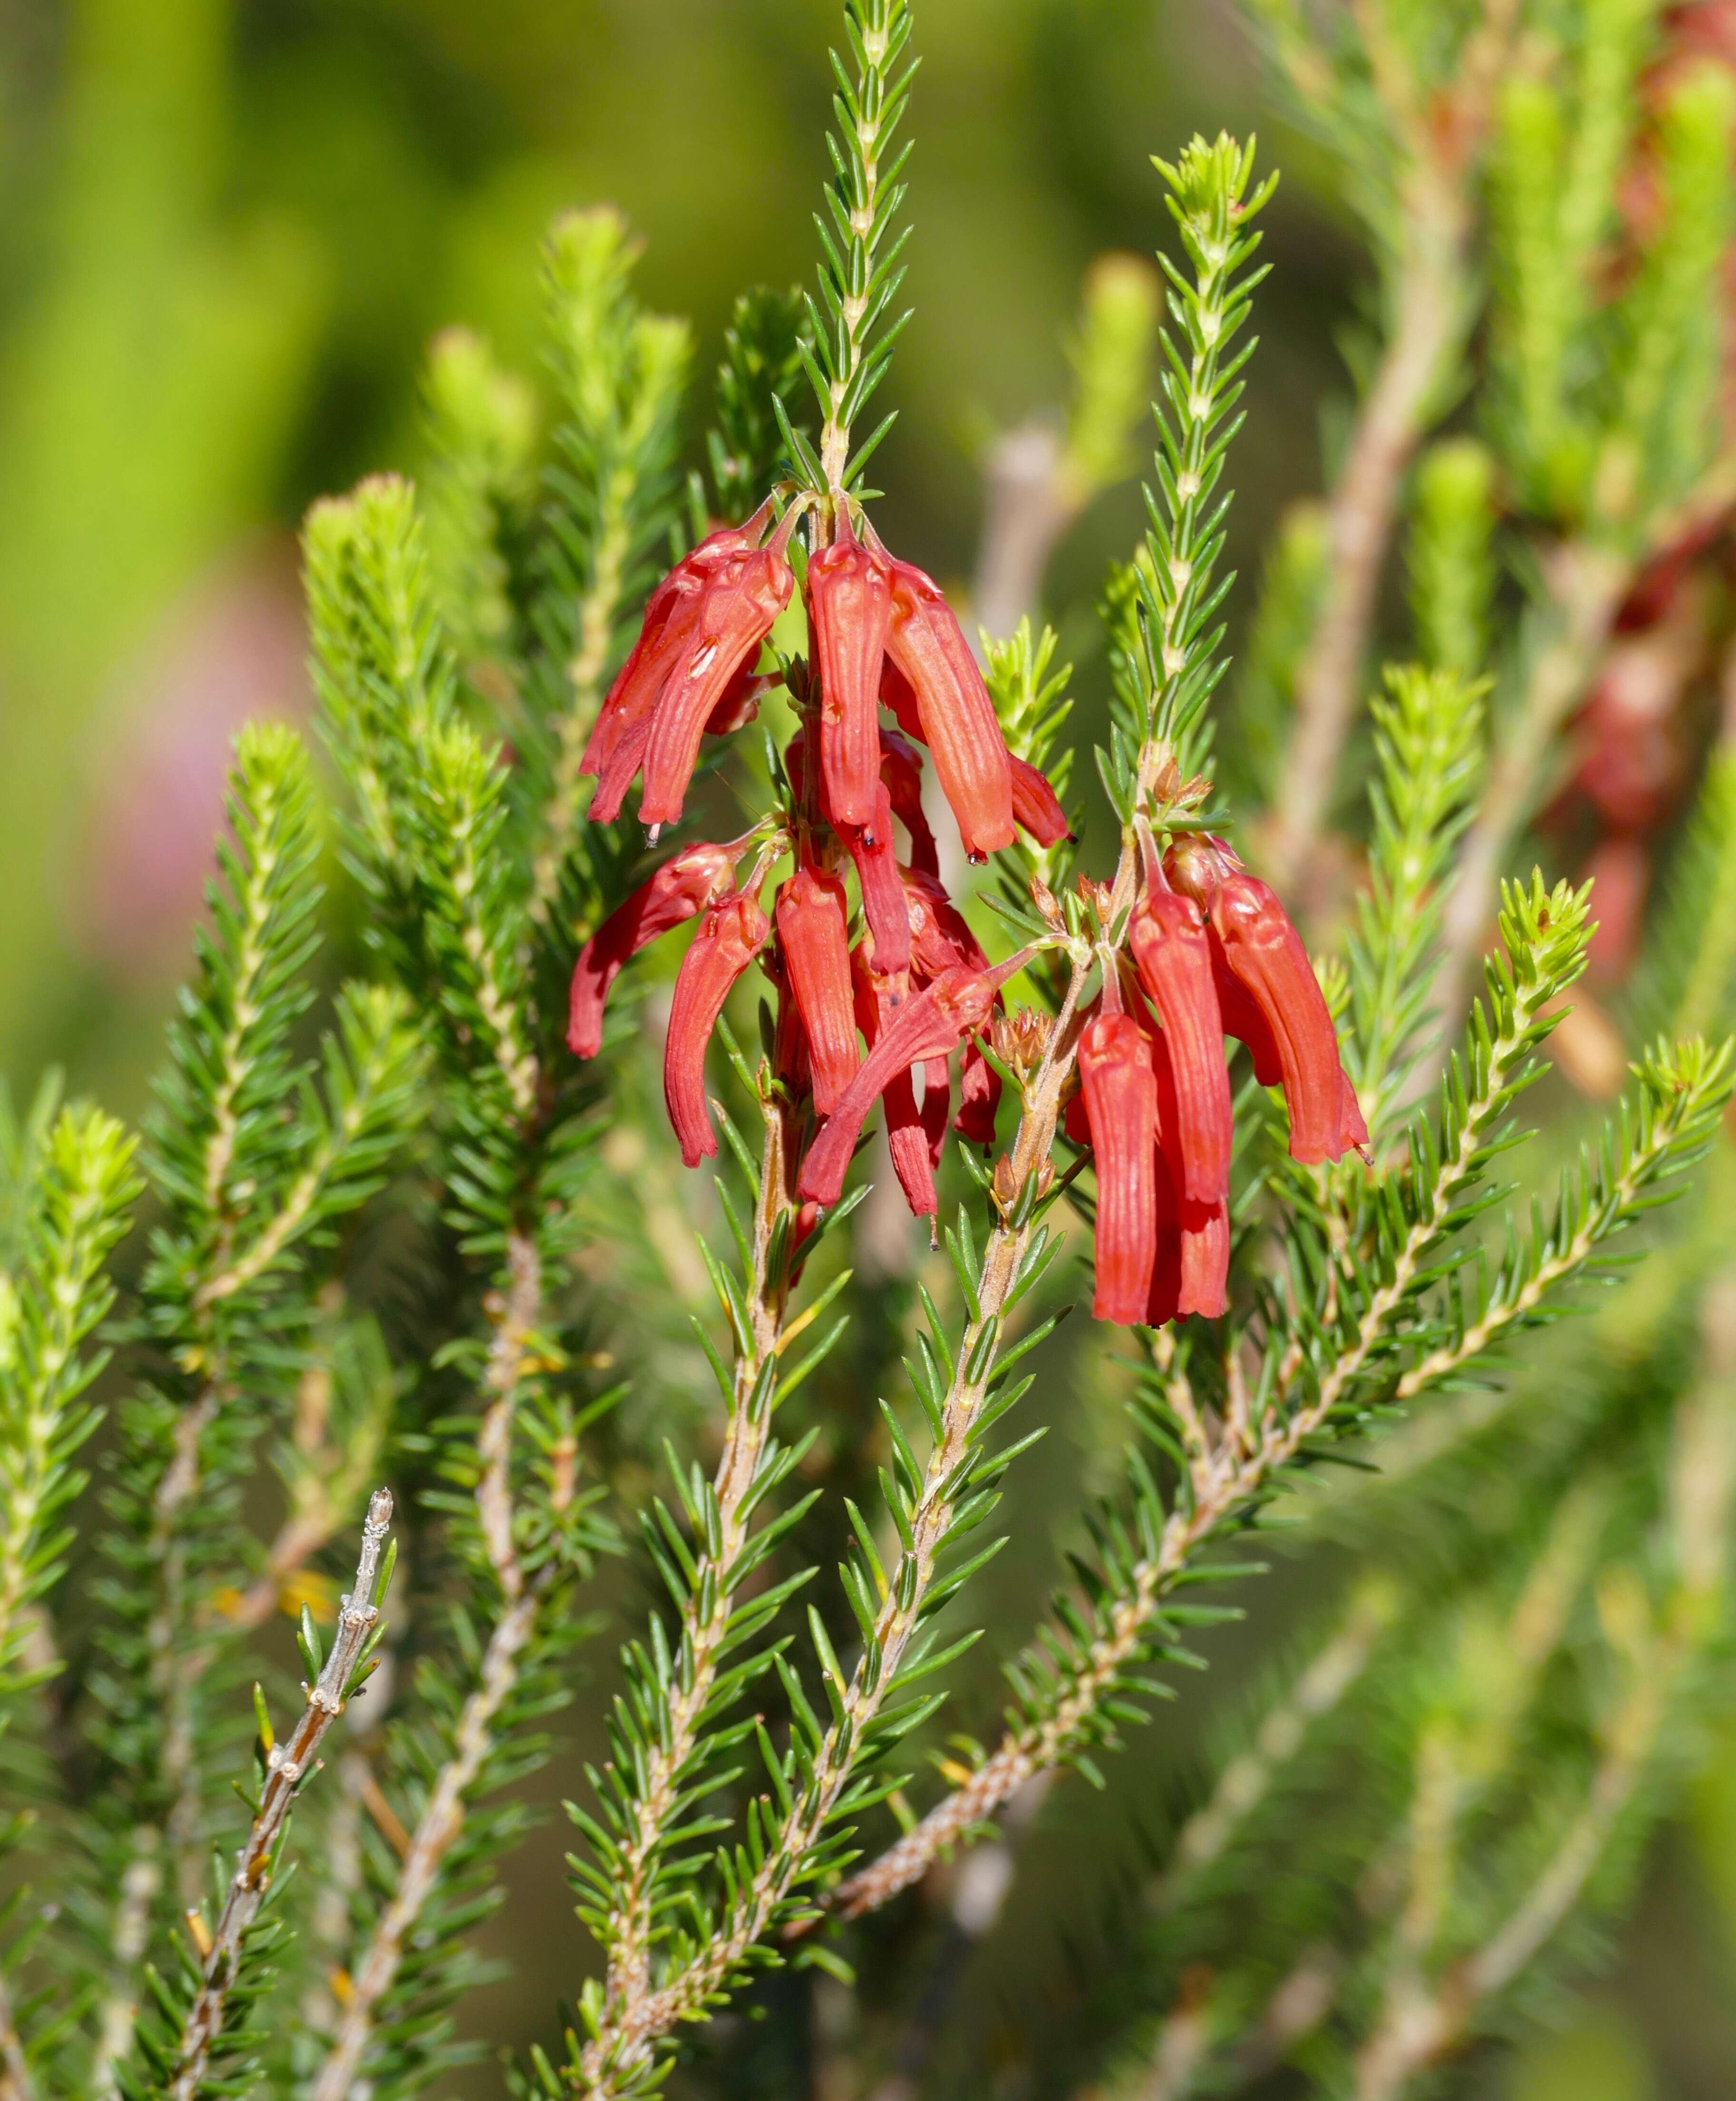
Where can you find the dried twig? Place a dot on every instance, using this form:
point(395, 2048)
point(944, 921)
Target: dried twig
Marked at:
point(288, 1764)
point(443, 1819)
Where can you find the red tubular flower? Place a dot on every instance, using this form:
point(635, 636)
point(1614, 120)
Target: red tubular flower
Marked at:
point(937, 1099)
point(732, 935)
point(870, 848)
point(740, 603)
point(908, 1139)
point(812, 915)
point(979, 1097)
point(1244, 1021)
point(1119, 1089)
point(1265, 953)
point(685, 884)
point(956, 716)
point(1191, 1273)
point(901, 770)
point(850, 601)
point(1037, 808)
point(1172, 953)
point(930, 1025)
point(663, 637)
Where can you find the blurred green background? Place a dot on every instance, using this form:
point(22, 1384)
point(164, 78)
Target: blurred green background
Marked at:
point(227, 232)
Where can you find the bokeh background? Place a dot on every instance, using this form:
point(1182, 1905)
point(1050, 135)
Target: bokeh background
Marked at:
point(228, 231)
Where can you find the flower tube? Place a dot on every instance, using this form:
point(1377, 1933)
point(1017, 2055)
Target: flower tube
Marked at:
point(931, 1024)
point(883, 906)
point(1173, 954)
point(901, 771)
point(1120, 1090)
point(685, 883)
point(957, 717)
point(850, 603)
point(731, 936)
point(735, 615)
point(811, 920)
point(1037, 808)
point(1264, 953)
point(664, 636)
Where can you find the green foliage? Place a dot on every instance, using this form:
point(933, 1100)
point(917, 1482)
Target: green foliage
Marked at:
point(762, 353)
point(1451, 555)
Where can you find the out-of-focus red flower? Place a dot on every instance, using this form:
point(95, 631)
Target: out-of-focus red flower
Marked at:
point(901, 770)
point(957, 718)
point(849, 599)
point(1173, 954)
point(731, 936)
point(811, 917)
point(685, 883)
point(1118, 1088)
point(930, 1025)
point(978, 1097)
point(1620, 873)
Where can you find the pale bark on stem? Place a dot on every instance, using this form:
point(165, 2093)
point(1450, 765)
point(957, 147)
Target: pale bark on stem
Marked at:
point(1586, 585)
point(711, 1599)
point(442, 1820)
point(1431, 297)
point(287, 1763)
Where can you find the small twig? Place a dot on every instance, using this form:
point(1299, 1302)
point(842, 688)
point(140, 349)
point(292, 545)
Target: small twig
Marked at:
point(442, 1820)
point(288, 1764)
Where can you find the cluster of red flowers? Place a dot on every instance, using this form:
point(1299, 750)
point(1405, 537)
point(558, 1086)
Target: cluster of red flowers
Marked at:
point(915, 982)
point(1212, 949)
point(1213, 954)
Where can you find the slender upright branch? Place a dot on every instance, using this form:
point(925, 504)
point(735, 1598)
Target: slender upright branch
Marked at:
point(518, 1318)
point(288, 1764)
point(711, 1600)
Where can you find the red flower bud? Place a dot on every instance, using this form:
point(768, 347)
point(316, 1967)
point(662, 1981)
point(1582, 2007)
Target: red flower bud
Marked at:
point(870, 848)
point(1120, 1090)
point(1037, 808)
point(957, 718)
point(686, 882)
point(1172, 953)
point(731, 936)
point(930, 1025)
point(849, 602)
point(740, 603)
point(1265, 953)
point(811, 917)
point(664, 638)
point(901, 770)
